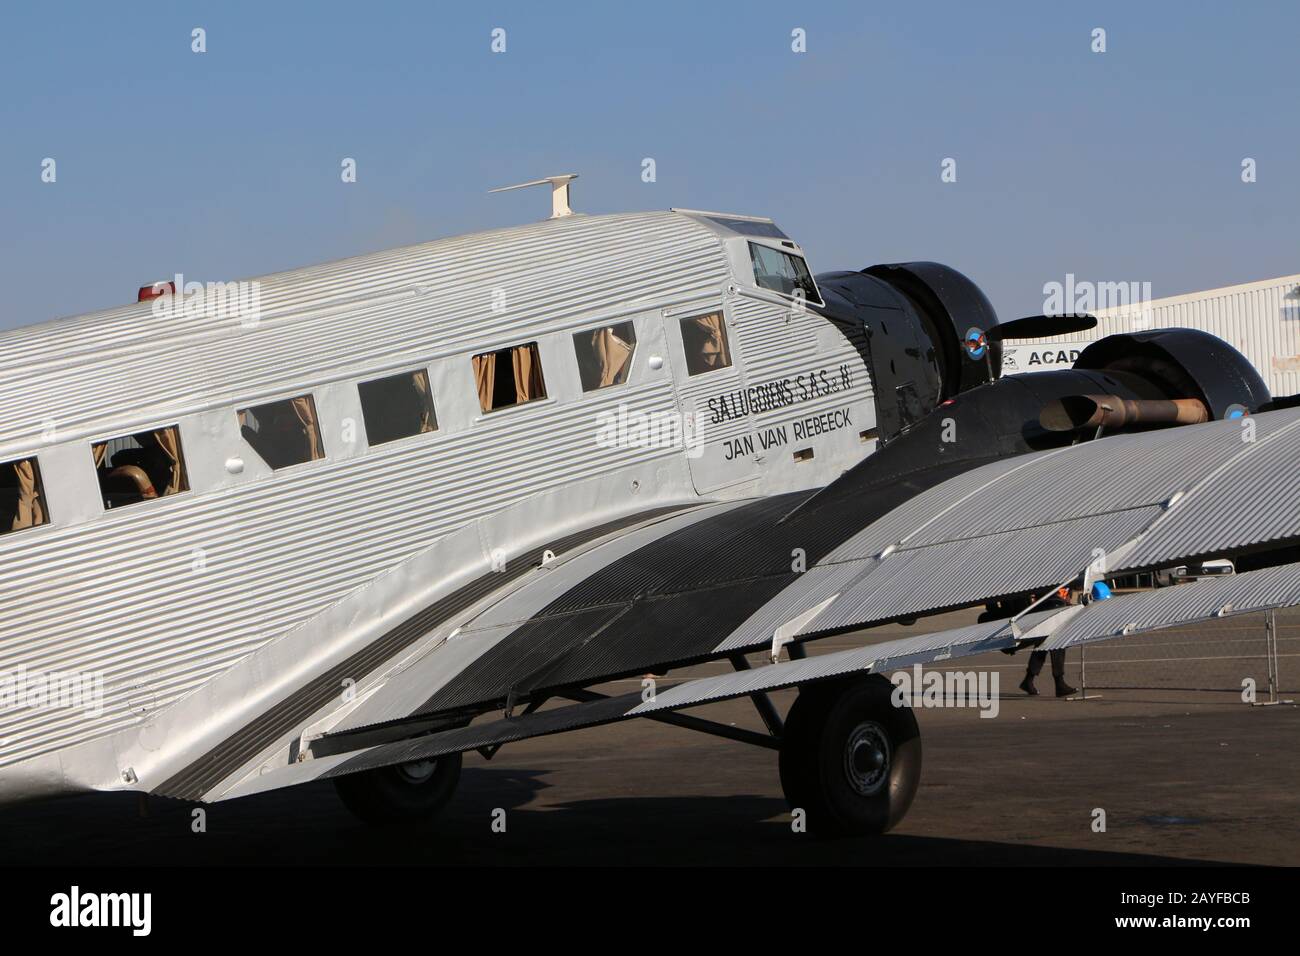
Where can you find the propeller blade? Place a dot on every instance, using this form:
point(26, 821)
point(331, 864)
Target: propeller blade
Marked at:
point(1042, 326)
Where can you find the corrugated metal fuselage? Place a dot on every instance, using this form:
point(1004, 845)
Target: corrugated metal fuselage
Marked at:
point(198, 614)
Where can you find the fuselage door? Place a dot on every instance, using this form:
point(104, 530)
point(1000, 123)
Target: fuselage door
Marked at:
point(709, 380)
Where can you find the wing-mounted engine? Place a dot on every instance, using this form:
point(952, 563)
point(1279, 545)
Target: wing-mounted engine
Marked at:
point(933, 340)
point(918, 317)
point(1186, 365)
point(1185, 375)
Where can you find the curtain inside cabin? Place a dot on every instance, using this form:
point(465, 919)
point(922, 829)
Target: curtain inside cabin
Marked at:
point(485, 377)
point(167, 442)
point(29, 510)
point(528, 374)
point(305, 409)
point(420, 382)
point(526, 371)
point(613, 354)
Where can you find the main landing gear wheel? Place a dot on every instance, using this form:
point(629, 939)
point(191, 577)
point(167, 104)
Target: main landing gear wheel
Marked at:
point(850, 759)
point(402, 793)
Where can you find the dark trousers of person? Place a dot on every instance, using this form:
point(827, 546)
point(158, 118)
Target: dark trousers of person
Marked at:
point(1058, 662)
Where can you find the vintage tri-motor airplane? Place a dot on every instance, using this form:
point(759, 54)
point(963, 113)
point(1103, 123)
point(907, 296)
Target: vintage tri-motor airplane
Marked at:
point(389, 510)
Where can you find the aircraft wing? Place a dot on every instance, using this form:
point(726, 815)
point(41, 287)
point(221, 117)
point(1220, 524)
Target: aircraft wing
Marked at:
point(1118, 617)
point(727, 582)
point(882, 543)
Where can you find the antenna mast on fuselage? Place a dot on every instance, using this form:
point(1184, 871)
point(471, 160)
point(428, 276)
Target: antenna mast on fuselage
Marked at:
point(559, 192)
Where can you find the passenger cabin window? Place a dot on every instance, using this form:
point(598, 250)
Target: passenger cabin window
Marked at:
point(283, 433)
point(605, 355)
point(22, 499)
point(140, 467)
point(782, 272)
point(509, 377)
point(398, 406)
point(704, 338)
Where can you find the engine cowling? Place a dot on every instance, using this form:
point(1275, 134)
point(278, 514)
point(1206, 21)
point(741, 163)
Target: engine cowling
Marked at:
point(915, 316)
point(1184, 364)
point(913, 322)
point(950, 305)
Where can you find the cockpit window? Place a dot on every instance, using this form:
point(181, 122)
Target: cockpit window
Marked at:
point(750, 227)
point(782, 272)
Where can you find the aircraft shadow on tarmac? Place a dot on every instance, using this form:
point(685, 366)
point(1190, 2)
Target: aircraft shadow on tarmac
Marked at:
point(308, 825)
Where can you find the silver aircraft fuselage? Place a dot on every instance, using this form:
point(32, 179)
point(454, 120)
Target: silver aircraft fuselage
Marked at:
point(187, 617)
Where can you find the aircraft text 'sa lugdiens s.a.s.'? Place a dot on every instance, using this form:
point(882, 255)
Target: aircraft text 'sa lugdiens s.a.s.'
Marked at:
point(355, 520)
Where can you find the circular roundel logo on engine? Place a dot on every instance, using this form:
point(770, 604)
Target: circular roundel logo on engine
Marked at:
point(976, 343)
point(1236, 411)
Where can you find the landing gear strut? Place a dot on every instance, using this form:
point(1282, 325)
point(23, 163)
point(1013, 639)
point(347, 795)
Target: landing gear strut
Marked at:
point(402, 793)
point(850, 759)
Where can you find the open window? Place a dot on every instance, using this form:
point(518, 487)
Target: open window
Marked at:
point(704, 337)
point(605, 355)
point(508, 377)
point(782, 272)
point(397, 406)
point(140, 467)
point(22, 498)
point(283, 433)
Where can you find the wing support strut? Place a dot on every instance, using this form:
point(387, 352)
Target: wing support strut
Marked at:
point(762, 703)
point(1087, 577)
point(686, 721)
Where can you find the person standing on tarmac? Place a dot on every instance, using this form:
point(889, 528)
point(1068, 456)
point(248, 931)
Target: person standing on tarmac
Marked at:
point(999, 609)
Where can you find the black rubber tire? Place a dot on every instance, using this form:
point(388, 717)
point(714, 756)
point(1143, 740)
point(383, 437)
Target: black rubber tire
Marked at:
point(387, 795)
point(814, 777)
point(802, 724)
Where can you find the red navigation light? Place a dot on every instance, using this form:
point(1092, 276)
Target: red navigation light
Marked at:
point(154, 291)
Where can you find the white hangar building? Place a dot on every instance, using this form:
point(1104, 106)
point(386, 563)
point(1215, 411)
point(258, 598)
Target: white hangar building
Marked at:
point(1260, 319)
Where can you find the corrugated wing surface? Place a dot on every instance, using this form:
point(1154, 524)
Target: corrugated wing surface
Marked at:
point(1104, 620)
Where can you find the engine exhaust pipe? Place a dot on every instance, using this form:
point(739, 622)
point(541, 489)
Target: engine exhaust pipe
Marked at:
point(1074, 412)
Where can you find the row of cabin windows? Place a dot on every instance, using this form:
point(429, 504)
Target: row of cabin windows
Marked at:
point(151, 464)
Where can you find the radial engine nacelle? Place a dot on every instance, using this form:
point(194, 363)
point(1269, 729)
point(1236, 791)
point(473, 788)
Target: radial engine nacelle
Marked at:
point(932, 335)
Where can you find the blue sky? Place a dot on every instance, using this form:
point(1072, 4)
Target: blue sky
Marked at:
point(1121, 166)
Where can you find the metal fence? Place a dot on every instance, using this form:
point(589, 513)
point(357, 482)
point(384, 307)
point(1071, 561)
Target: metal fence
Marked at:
point(1214, 656)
